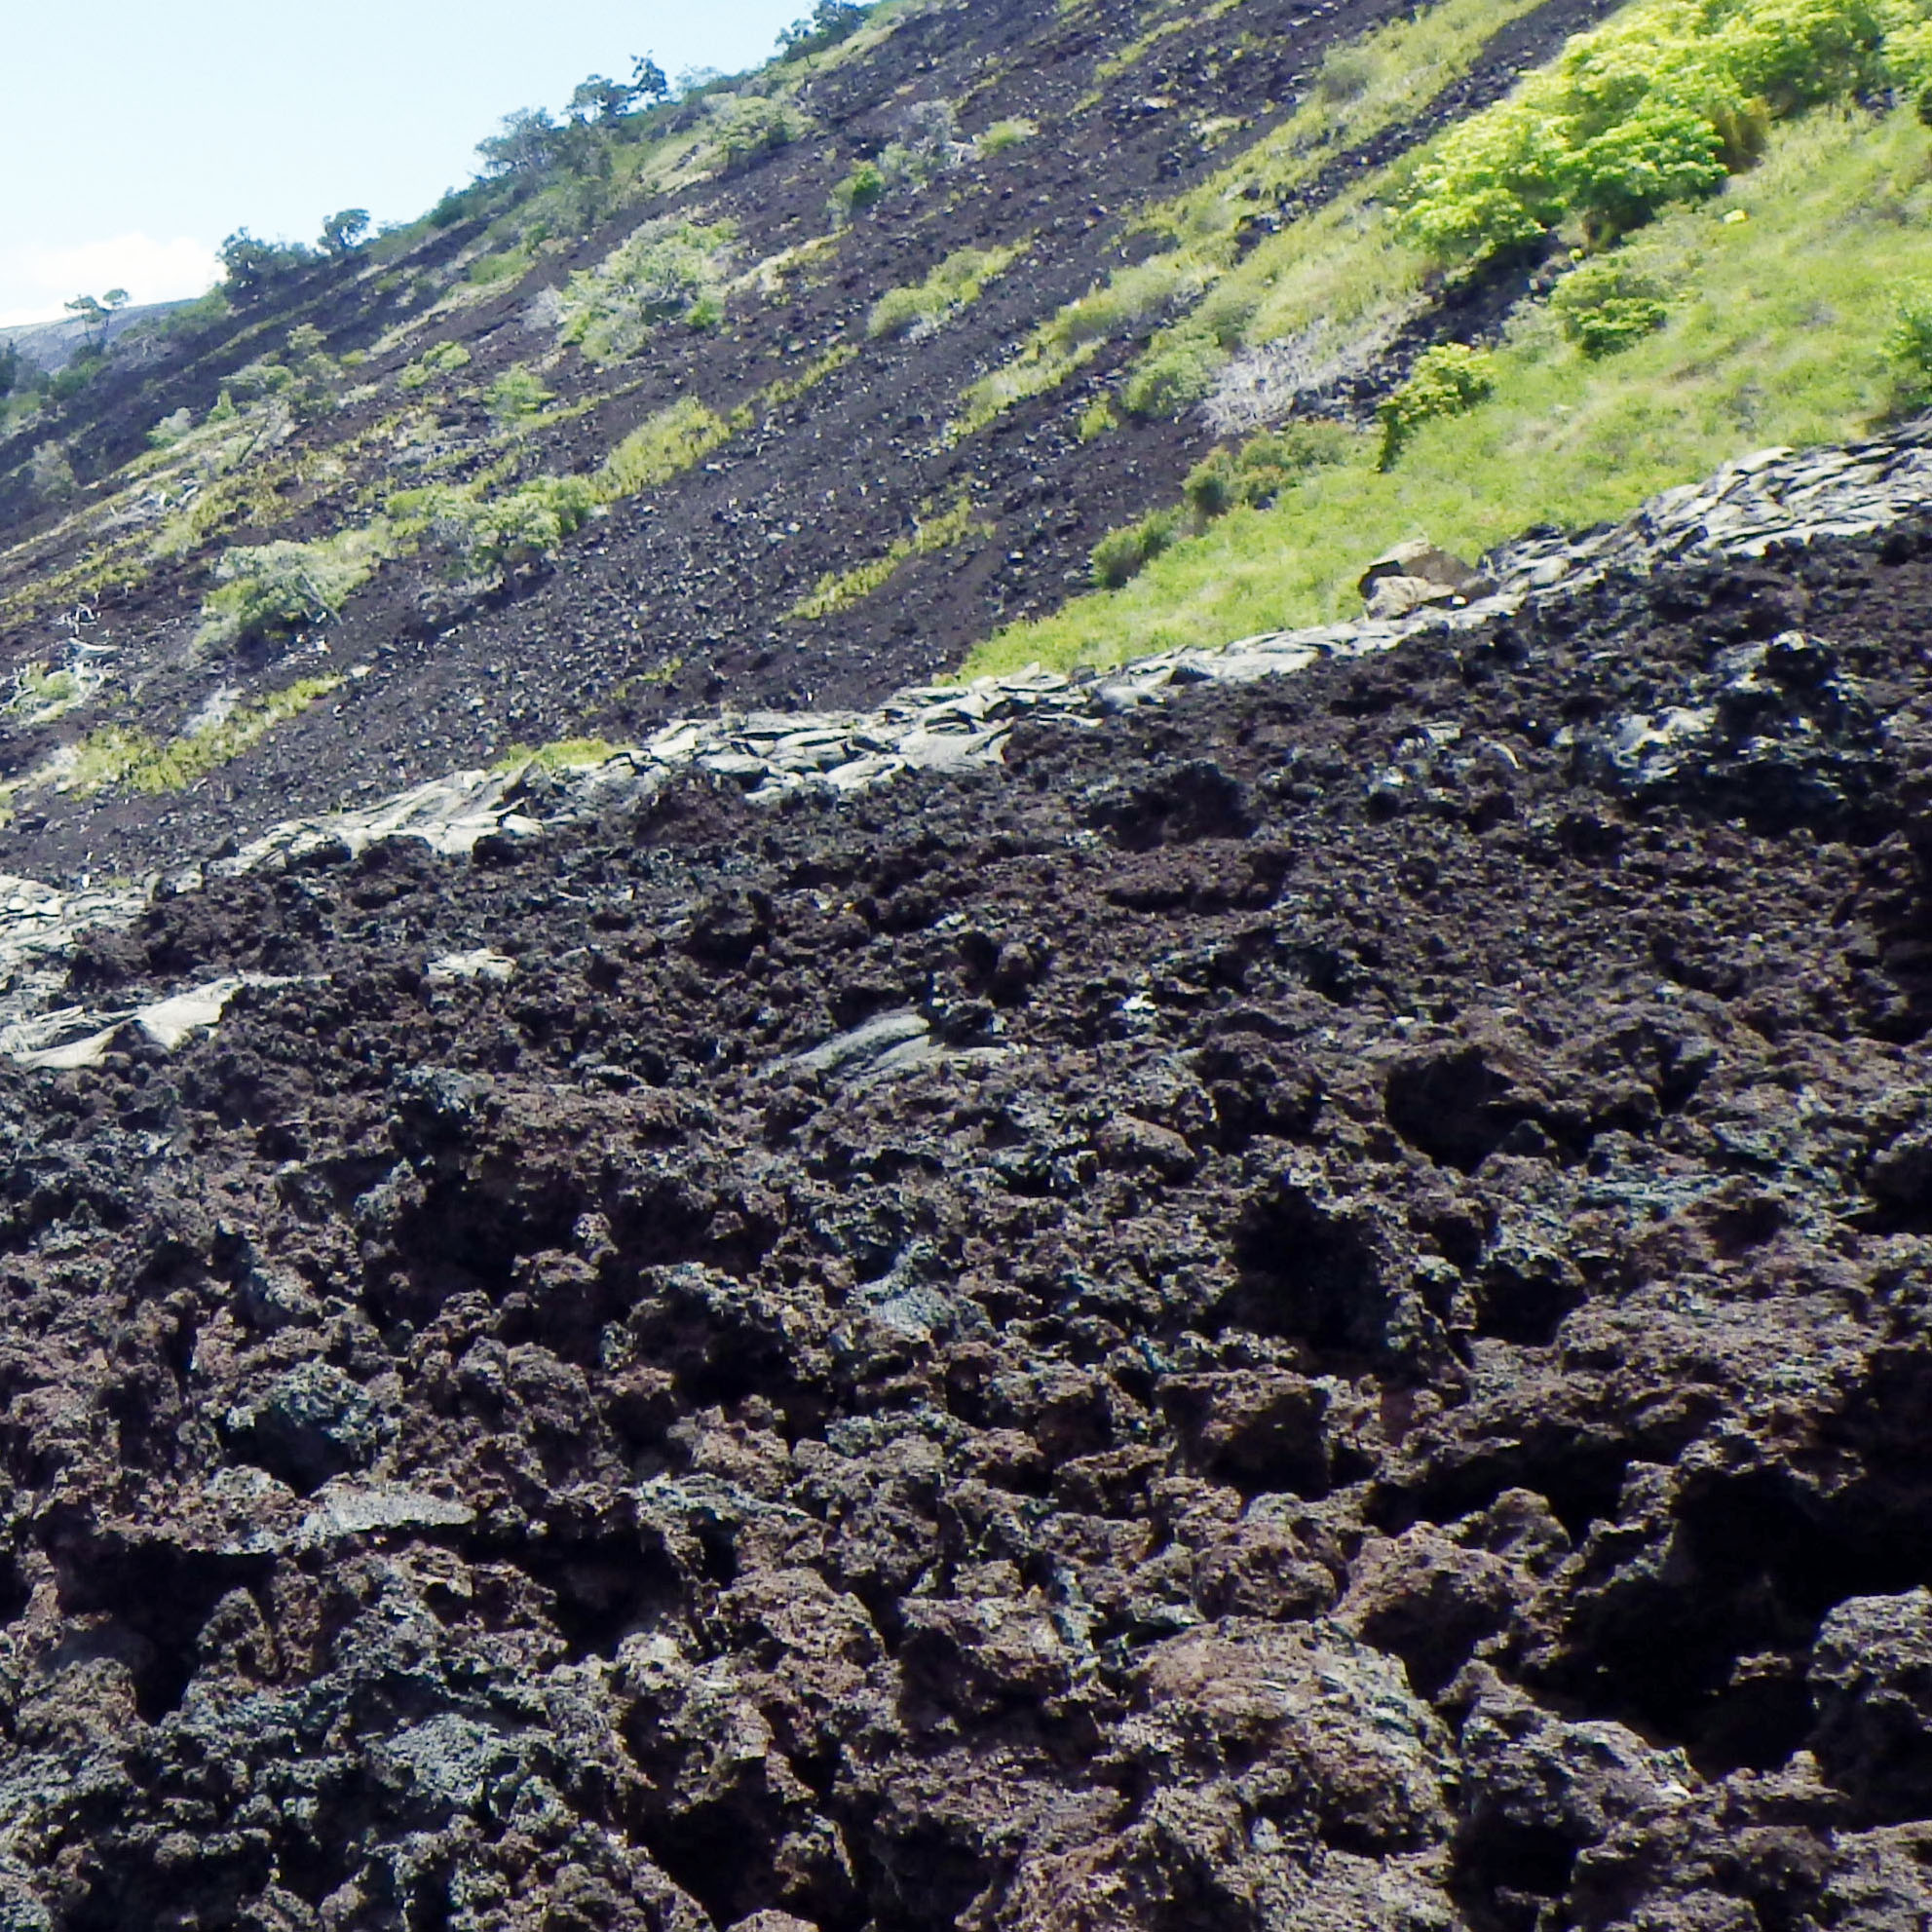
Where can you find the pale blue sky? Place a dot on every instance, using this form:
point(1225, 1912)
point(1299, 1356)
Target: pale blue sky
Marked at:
point(136, 135)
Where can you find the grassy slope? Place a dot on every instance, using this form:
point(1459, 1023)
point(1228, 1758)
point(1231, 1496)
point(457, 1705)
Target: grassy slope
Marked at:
point(1777, 336)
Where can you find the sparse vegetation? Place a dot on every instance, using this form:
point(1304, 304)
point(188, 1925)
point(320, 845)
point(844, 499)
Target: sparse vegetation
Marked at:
point(840, 591)
point(432, 364)
point(954, 285)
point(928, 145)
point(51, 474)
point(273, 590)
point(1078, 332)
point(483, 539)
point(668, 272)
point(116, 756)
point(1210, 291)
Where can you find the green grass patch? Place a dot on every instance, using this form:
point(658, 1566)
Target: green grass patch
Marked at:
point(664, 445)
point(956, 283)
point(1004, 135)
point(564, 754)
point(1228, 298)
point(840, 591)
point(1783, 328)
point(133, 761)
point(686, 432)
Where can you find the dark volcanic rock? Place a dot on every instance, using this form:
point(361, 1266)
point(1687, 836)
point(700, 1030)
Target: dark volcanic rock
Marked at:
point(904, 1365)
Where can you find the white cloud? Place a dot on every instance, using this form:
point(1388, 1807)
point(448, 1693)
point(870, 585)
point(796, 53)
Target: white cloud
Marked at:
point(36, 284)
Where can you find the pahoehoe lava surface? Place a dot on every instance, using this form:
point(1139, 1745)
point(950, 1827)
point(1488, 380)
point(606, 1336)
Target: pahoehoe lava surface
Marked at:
point(1306, 1309)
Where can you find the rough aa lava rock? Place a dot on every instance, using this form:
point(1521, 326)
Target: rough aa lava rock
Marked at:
point(1166, 1334)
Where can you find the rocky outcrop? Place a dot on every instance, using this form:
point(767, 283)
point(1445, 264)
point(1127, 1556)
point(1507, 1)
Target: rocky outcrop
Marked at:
point(1775, 721)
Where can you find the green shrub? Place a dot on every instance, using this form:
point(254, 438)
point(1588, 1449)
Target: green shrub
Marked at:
point(1909, 62)
point(504, 266)
point(1606, 305)
point(1347, 73)
point(68, 382)
point(1122, 556)
point(1653, 107)
point(275, 590)
point(1165, 381)
point(1096, 418)
point(863, 188)
point(669, 271)
point(515, 396)
point(440, 359)
point(485, 539)
point(51, 474)
point(169, 430)
point(1619, 179)
point(1909, 342)
point(1263, 469)
point(1448, 380)
point(750, 126)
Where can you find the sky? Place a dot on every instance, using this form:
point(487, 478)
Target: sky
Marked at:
point(136, 136)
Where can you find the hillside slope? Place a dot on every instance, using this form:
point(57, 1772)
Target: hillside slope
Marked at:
point(661, 1270)
point(775, 447)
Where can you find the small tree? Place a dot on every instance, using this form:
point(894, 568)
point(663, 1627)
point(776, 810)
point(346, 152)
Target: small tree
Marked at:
point(252, 266)
point(828, 24)
point(647, 80)
point(91, 314)
point(601, 99)
point(343, 232)
point(531, 143)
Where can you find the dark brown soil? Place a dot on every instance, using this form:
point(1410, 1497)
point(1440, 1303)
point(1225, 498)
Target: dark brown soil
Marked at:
point(1378, 1380)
